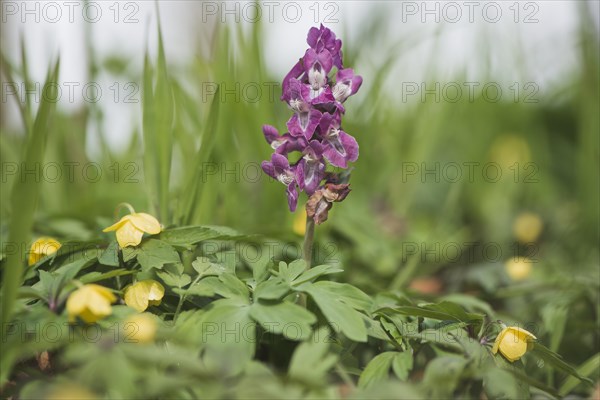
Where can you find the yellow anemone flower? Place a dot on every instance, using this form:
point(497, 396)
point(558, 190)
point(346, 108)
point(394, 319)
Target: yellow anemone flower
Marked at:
point(142, 294)
point(132, 227)
point(41, 248)
point(527, 227)
point(518, 268)
point(299, 226)
point(140, 328)
point(513, 342)
point(90, 303)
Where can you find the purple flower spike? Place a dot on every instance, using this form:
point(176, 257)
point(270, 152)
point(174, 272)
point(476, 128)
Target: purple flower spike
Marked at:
point(322, 38)
point(346, 84)
point(315, 128)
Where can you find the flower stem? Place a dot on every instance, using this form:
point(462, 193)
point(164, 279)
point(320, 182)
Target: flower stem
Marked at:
point(309, 237)
point(123, 205)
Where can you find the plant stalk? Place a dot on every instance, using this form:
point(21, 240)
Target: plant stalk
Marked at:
point(309, 237)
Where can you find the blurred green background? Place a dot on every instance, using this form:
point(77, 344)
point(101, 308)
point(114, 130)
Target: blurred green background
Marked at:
point(410, 222)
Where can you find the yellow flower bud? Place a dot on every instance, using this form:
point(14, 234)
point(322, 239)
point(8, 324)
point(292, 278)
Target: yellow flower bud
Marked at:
point(527, 227)
point(132, 227)
point(90, 303)
point(139, 328)
point(299, 226)
point(518, 268)
point(513, 342)
point(41, 248)
point(142, 294)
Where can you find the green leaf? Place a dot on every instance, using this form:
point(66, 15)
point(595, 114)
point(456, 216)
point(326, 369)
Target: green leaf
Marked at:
point(98, 276)
point(442, 375)
point(203, 288)
point(234, 287)
point(342, 317)
point(444, 310)
point(291, 271)
point(155, 253)
point(402, 364)
point(591, 366)
point(557, 362)
point(315, 273)
point(347, 294)
point(190, 235)
point(228, 324)
point(287, 319)
point(110, 256)
point(312, 360)
point(273, 289)
point(377, 370)
point(173, 280)
point(502, 384)
point(205, 267)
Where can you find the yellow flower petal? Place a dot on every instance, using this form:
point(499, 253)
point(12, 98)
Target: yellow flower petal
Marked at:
point(90, 303)
point(513, 342)
point(146, 223)
point(129, 235)
point(144, 293)
point(41, 248)
point(518, 268)
point(140, 328)
point(527, 227)
point(117, 225)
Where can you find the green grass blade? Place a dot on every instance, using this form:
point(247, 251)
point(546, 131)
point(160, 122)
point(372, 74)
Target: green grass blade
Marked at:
point(23, 204)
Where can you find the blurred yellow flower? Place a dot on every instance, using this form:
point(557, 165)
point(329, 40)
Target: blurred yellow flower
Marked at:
point(41, 248)
point(139, 328)
point(90, 303)
point(527, 227)
point(132, 227)
point(518, 268)
point(70, 392)
point(142, 294)
point(510, 150)
point(513, 342)
point(299, 226)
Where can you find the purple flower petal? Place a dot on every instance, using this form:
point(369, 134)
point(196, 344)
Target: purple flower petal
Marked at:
point(342, 148)
point(346, 84)
point(294, 74)
point(323, 38)
point(317, 67)
point(304, 123)
point(289, 143)
point(271, 133)
point(292, 196)
point(310, 173)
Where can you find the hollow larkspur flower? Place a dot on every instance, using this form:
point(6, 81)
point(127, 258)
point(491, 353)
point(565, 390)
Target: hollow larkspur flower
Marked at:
point(314, 130)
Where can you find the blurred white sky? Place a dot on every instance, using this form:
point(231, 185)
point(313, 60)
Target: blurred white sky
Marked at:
point(545, 30)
